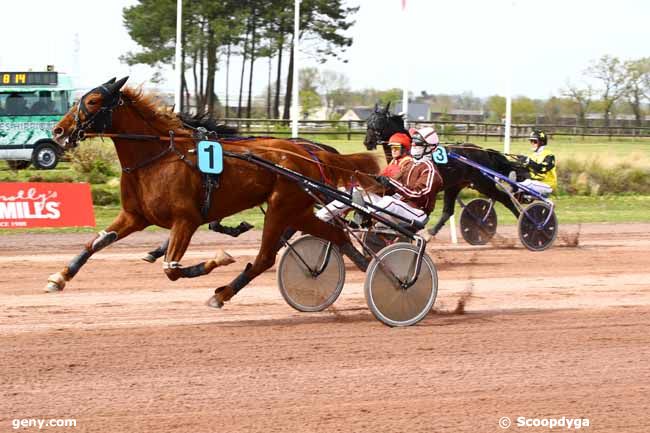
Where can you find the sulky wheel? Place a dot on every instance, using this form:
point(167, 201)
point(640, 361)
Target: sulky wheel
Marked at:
point(299, 280)
point(537, 231)
point(391, 303)
point(478, 221)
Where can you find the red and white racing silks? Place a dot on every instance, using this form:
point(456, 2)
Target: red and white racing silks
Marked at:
point(415, 183)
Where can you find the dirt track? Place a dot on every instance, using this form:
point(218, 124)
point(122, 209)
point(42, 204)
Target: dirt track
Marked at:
point(560, 333)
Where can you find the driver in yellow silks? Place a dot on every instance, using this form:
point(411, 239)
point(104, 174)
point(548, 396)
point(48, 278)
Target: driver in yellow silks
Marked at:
point(541, 163)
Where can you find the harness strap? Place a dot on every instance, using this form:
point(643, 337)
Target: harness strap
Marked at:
point(323, 175)
point(185, 138)
point(170, 149)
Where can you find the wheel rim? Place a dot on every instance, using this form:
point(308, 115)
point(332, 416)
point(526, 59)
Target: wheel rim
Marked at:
point(302, 290)
point(534, 234)
point(476, 228)
point(393, 305)
point(46, 157)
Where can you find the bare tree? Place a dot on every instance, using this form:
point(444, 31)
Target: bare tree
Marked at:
point(333, 86)
point(581, 98)
point(608, 71)
point(637, 85)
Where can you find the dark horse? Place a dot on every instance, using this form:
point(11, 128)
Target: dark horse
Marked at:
point(160, 184)
point(455, 174)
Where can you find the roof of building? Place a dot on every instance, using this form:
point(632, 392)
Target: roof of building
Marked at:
point(416, 110)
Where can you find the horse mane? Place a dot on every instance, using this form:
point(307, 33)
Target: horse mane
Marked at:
point(152, 109)
point(208, 122)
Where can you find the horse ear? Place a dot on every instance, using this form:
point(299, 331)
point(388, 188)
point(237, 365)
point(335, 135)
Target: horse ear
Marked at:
point(111, 81)
point(116, 86)
point(376, 107)
point(387, 107)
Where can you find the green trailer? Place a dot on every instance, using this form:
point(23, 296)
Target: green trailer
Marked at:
point(31, 103)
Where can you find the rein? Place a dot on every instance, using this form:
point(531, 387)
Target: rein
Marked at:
point(172, 149)
point(105, 114)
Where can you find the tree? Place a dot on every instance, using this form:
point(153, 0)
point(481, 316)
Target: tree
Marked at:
point(637, 89)
point(467, 101)
point(334, 88)
point(524, 110)
point(608, 71)
point(496, 107)
point(309, 79)
point(552, 108)
point(207, 26)
point(309, 102)
point(321, 24)
point(581, 99)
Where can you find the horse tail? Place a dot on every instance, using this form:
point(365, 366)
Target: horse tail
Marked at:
point(354, 167)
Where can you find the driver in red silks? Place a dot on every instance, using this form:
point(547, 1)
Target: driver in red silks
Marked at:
point(400, 149)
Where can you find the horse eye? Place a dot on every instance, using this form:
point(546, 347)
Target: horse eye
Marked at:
point(92, 102)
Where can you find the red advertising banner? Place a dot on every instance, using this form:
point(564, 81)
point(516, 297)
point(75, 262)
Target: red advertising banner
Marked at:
point(25, 205)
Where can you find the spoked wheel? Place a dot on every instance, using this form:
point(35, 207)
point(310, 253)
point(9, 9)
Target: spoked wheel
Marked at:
point(537, 231)
point(478, 222)
point(391, 303)
point(309, 276)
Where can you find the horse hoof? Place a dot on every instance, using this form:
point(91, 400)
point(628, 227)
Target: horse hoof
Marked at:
point(222, 258)
point(223, 294)
point(149, 258)
point(213, 302)
point(55, 283)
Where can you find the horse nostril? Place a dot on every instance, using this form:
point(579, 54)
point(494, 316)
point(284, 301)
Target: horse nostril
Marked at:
point(57, 131)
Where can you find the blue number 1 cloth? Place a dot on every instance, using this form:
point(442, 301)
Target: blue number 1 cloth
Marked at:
point(210, 156)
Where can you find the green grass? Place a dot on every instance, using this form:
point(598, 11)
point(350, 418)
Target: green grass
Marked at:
point(569, 210)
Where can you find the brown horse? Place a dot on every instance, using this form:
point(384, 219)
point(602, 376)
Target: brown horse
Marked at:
point(161, 185)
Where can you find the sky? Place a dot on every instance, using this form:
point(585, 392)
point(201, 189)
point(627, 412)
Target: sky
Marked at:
point(436, 46)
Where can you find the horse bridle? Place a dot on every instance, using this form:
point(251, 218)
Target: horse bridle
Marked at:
point(100, 120)
point(372, 122)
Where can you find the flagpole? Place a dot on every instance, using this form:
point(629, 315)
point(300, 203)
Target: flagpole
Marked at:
point(405, 66)
point(508, 124)
point(294, 92)
point(178, 82)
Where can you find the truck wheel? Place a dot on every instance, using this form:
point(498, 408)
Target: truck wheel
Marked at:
point(45, 157)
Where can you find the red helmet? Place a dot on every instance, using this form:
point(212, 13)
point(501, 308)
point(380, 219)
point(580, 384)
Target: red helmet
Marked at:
point(402, 139)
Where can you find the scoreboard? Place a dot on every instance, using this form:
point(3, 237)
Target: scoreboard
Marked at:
point(28, 79)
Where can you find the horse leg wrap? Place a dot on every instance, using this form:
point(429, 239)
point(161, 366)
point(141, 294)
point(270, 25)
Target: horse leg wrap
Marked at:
point(357, 258)
point(241, 281)
point(103, 240)
point(286, 235)
point(154, 255)
point(173, 270)
point(441, 222)
point(243, 227)
point(194, 271)
point(76, 263)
